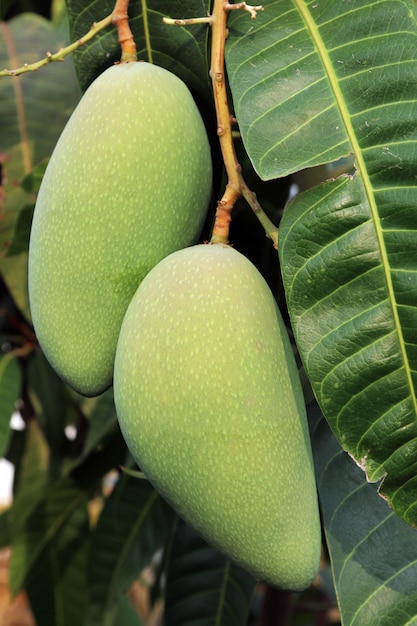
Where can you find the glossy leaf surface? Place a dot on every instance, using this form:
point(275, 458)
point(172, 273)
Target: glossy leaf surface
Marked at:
point(315, 81)
point(348, 262)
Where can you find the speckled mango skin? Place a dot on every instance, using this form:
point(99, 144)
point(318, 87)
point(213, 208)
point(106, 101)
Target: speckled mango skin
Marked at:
point(129, 182)
point(209, 401)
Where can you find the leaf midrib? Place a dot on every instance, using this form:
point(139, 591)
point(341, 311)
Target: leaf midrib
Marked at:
point(362, 170)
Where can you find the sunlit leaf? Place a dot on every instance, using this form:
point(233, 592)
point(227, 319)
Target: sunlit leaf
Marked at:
point(315, 81)
point(347, 251)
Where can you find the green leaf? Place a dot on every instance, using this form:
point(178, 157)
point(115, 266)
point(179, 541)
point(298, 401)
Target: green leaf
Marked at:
point(60, 574)
point(353, 311)
point(32, 480)
point(181, 50)
point(32, 181)
point(21, 235)
point(42, 509)
point(30, 184)
point(203, 586)
point(36, 531)
point(33, 111)
point(373, 552)
point(131, 528)
point(347, 252)
point(315, 81)
point(10, 386)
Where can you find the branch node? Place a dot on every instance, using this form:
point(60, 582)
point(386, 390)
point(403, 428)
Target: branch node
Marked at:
point(252, 10)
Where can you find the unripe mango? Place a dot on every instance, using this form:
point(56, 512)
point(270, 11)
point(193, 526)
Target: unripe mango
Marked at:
point(210, 404)
point(128, 183)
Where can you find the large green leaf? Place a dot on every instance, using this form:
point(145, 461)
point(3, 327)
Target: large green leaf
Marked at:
point(203, 586)
point(351, 291)
point(131, 528)
point(314, 81)
point(373, 552)
point(347, 251)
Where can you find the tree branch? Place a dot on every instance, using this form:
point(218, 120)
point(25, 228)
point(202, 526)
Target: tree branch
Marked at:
point(62, 53)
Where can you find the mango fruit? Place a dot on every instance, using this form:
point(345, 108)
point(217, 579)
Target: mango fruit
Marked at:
point(210, 404)
point(128, 182)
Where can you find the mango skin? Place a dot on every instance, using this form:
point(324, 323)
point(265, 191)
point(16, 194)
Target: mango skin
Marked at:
point(128, 183)
point(210, 404)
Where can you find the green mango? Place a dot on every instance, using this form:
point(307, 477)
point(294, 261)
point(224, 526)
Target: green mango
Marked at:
point(128, 183)
point(210, 404)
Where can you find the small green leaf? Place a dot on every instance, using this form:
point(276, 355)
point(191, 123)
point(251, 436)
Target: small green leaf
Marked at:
point(10, 385)
point(21, 235)
point(32, 181)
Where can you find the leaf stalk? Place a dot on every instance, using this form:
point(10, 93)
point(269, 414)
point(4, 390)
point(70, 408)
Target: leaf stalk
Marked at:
point(236, 186)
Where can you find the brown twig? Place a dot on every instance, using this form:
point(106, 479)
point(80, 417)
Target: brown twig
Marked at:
point(224, 124)
point(236, 186)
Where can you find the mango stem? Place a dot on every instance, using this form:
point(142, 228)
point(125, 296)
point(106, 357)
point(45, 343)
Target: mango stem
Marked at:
point(236, 185)
point(120, 19)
